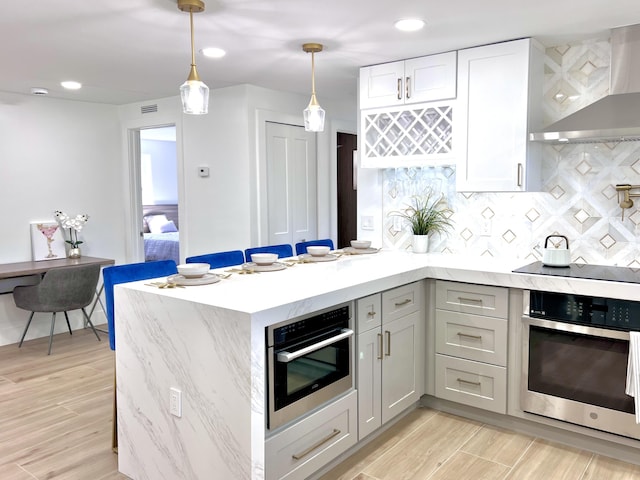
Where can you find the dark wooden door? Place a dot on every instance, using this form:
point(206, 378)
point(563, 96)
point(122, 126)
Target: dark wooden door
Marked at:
point(347, 193)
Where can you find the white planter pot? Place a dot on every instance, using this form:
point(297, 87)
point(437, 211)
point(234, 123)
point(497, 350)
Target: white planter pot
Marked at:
point(420, 243)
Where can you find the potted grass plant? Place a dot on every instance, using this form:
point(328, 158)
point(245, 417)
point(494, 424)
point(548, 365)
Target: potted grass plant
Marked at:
point(425, 215)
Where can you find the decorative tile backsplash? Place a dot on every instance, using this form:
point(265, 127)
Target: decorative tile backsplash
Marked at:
point(578, 197)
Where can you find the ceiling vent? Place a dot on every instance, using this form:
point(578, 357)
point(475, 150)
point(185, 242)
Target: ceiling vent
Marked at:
point(149, 108)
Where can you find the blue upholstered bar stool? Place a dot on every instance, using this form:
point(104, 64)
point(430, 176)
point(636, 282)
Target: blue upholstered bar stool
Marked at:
point(219, 259)
point(302, 246)
point(122, 274)
point(283, 250)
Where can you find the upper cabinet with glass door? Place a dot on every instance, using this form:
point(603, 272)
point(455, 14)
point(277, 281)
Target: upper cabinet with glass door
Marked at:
point(407, 112)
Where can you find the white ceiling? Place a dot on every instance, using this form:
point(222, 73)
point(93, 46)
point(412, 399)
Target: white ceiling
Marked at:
point(125, 51)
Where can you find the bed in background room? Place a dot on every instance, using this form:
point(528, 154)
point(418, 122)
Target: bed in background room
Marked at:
point(161, 236)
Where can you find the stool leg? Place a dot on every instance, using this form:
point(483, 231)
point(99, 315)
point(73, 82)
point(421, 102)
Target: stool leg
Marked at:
point(114, 426)
point(68, 324)
point(91, 324)
point(53, 324)
point(26, 328)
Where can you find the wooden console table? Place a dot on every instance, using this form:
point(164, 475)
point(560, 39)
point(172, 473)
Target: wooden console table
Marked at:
point(23, 269)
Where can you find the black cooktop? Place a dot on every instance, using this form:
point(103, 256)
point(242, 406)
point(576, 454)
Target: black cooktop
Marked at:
point(593, 272)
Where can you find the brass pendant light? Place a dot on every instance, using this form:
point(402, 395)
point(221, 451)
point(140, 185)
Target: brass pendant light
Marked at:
point(313, 114)
point(194, 93)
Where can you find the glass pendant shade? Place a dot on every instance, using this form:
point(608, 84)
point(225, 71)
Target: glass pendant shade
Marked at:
point(195, 97)
point(313, 117)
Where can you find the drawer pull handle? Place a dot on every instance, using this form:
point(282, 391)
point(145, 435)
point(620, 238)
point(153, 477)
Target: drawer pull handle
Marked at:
point(388, 333)
point(407, 86)
point(470, 301)
point(380, 348)
point(475, 384)
point(403, 302)
point(400, 89)
point(304, 453)
point(475, 337)
point(371, 314)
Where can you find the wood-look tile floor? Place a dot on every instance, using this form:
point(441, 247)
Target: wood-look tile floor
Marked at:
point(55, 423)
point(55, 411)
point(432, 445)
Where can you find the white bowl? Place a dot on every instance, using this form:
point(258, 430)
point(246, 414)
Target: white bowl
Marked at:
point(360, 243)
point(318, 250)
point(264, 258)
point(193, 270)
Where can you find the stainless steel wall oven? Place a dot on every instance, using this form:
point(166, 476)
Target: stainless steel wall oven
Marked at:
point(574, 360)
point(309, 362)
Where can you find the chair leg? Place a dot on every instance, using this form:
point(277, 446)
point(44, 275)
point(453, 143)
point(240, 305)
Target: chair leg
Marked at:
point(53, 324)
point(90, 324)
point(68, 324)
point(26, 328)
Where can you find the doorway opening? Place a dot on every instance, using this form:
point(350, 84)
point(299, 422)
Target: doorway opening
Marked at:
point(347, 189)
point(158, 173)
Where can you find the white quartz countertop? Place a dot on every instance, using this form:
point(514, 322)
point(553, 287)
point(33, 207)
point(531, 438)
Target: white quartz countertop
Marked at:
point(311, 286)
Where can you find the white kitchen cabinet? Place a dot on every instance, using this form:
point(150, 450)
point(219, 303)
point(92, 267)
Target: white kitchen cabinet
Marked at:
point(499, 102)
point(406, 112)
point(471, 330)
point(390, 365)
point(302, 449)
point(415, 80)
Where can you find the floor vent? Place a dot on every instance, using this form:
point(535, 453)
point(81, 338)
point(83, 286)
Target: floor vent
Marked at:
point(149, 108)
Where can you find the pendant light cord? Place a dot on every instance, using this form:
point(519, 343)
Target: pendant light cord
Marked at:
point(193, 53)
point(313, 74)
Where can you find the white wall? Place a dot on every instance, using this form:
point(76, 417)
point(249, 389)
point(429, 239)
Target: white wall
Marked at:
point(56, 155)
point(74, 156)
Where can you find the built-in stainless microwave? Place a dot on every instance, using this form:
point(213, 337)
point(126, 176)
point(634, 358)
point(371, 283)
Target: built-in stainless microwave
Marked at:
point(309, 362)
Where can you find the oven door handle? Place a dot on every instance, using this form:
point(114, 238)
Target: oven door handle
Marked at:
point(286, 357)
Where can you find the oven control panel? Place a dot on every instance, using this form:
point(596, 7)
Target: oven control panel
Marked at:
point(585, 310)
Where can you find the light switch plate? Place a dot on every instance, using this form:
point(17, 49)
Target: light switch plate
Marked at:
point(366, 222)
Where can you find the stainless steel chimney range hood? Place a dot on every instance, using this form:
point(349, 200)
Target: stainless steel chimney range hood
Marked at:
point(616, 117)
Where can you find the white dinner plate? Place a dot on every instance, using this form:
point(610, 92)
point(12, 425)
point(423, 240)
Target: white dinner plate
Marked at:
point(317, 258)
point(206, 279)
point(274, 267)
point(360, 251)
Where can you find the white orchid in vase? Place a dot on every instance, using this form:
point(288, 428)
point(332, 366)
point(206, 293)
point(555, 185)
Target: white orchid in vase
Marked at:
point(73, 224)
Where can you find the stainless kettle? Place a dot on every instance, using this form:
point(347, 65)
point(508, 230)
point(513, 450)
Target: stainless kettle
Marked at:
point(556, 256)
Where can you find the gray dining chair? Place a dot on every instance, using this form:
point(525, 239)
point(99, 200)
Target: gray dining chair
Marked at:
point(60, 290)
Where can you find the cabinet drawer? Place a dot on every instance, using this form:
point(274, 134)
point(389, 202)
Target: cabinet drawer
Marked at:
point(471, 383)
point(401, 301)
point(307, 446)
point(475, 299)
point(473, 337)
point(369, 312)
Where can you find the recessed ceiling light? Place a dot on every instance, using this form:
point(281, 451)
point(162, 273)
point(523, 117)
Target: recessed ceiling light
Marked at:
point(409, 24)
point(71, 85)
point(213, 52)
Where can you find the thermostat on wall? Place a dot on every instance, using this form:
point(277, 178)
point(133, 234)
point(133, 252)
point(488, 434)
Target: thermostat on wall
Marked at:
point(203, 171)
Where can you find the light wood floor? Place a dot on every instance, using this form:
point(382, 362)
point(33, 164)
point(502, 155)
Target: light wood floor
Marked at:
point(55, 423)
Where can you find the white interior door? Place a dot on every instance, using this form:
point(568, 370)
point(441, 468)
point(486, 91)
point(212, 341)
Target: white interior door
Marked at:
point(291, 184)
